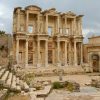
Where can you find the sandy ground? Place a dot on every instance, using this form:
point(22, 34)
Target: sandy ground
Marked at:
point(81, 79)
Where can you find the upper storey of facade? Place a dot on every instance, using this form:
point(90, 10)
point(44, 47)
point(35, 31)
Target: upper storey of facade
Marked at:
point(33, 21)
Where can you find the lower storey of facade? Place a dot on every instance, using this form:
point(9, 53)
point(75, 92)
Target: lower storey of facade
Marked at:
point(40, 52)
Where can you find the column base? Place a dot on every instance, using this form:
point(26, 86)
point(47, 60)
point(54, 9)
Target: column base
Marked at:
point(66, 65)
point(38, 65)
point(75, 64)
point(26, 65)
point(46, 65)
point(58, 64)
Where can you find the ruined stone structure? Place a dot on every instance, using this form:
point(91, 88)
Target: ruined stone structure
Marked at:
point(47, 37)
point(92, 53)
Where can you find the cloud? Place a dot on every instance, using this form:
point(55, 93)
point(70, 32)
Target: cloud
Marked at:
point(89, 8)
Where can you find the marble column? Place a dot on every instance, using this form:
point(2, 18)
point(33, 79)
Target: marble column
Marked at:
point(38, 53)
point(46, 24)
point(74, 30)
point(27, 18)
point(80, 25)
point(18, 20)
point(38, 22)
point(66, 53)
point(58, 53)
point(46, 53)
point(26, 54)
point(57, 24)
point(75, 53)
point(81, 52)
point(69, 54)
point(53, 57)
point(66, 25)
point(33, 51)
point(17, 51)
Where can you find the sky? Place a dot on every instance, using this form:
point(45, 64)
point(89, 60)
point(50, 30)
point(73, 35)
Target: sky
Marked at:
point(88, 8)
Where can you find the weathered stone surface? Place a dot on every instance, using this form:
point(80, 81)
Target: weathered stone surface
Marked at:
point(95, 83)
point(4, 77)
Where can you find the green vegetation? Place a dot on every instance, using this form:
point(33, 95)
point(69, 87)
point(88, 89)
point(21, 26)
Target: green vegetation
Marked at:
point(57, 85)
point(2, 32)
point(70, 87)
point(28, 78)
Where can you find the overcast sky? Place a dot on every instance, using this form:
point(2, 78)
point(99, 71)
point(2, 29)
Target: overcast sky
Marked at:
point(89, 8)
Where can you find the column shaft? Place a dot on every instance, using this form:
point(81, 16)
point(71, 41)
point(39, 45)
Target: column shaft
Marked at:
point(26, 54)
point(27, 17)
point(17, 51)
point(38, 22)
point(74, 26)
point(38, 53)
point(46, 27)
point(66, 53)
point(58, 52)
point(46, 53)
point(18, 20)
point(58, 24)
point(81, 53)
point(75, 54)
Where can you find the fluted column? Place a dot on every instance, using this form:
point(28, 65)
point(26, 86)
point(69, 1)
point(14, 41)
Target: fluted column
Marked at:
point(46, 53)
point(66, 54)
point(75, 54)
point(27, 18)
point(26, 53)
point(17, 51)
point(74, 26)
point(38, 22)
point(38, 53)
point(57, 24)
point(46, 24)
point(65, 25)
point(81, 53)
point(58, 53)
point(18, 20)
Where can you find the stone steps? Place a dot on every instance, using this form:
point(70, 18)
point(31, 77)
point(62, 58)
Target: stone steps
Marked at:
point(4, 77)
point(10, 81)
point(2, 72)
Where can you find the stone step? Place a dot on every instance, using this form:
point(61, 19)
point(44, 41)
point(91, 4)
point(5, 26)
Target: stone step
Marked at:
point(9, 80)
point(17, 81)
point(3, 94)
point(26, 87)
point(2, 71)
point(13, 85)
point(18, 88)
point(4, 77)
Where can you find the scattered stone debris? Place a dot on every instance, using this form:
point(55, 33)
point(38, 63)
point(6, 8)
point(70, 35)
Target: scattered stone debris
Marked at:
point(95, 83)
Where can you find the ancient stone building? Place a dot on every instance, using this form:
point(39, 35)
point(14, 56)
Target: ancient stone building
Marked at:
point(92, 53)
point(41, 38)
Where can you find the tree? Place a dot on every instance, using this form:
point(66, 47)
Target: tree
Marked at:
point(2, 32)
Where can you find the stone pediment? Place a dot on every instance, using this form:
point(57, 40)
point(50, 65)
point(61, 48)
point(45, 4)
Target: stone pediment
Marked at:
point(70, 13)
point(33, 7)
point(51, 11)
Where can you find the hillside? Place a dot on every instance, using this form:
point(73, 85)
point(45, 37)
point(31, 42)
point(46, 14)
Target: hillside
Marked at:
point(5, 43)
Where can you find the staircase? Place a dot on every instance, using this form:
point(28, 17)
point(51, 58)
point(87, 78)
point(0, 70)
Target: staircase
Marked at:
point(9, 81)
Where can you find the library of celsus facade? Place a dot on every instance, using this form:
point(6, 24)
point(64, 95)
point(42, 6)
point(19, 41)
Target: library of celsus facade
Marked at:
point(41, 38)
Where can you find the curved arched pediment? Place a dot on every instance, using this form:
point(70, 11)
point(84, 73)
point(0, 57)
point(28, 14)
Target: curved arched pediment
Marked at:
point(70, 13)
point(33, 7)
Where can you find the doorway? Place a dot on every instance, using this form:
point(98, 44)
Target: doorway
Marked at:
point(95, 62)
